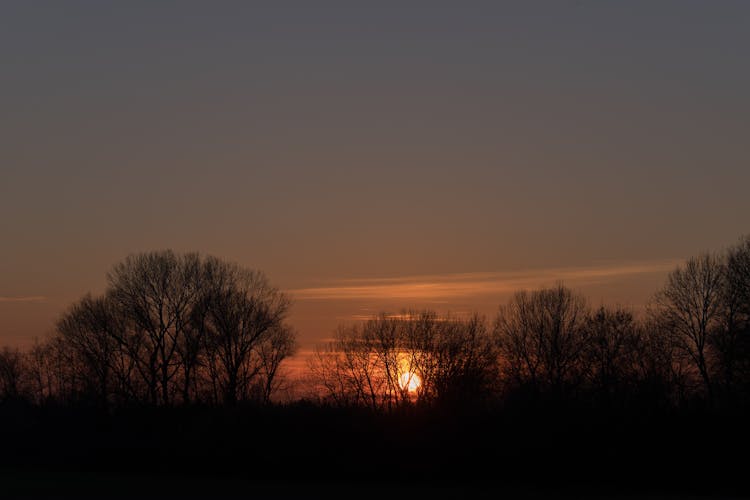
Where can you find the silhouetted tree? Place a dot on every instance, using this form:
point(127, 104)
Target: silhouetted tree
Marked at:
point(157, 292)
point(348, 370)
point(542, 338)
point(610, 351)
point(731, 343)
point(55, 374)
point(169, 328)
point(243, 312)
point(691, 304)
point(278, 345)
point(662, 368)
point(174, 328)
point(374, 363)
point(456, 358)
point(384, 338)
point(90, 329)
point(11, 374)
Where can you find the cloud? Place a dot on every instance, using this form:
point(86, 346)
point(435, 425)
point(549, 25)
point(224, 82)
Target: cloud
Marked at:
point(23, 298)
point(459, 285)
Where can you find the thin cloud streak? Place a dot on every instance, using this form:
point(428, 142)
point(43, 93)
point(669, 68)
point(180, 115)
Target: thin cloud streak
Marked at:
point(436, 287)
point(30, 298)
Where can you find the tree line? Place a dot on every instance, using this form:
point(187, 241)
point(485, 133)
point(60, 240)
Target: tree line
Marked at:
point(176, 329)
point(690, 346)
point(169, 329)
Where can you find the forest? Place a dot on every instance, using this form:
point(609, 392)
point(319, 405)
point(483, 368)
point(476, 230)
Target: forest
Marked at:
point(177, 367)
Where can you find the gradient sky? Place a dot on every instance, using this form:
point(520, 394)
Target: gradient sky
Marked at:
point(368, 158)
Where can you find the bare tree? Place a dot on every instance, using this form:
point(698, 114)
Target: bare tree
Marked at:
point(55, 373)
point(349, 370)
point(375, 363)
point(456, 358)
point(91, 329)
point(157, 291)
point(183, 320)
point(692, 304)
point(611, 349)
point(11, 374)
point(394, 360)
point(731, 342)
point(382, 338)
point(243, 311)
point(326, 377)
point(169, 328)
point(280, 344)
point(542, 337)
point(661, 365)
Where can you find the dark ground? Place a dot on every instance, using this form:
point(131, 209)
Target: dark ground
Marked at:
point(303, 451)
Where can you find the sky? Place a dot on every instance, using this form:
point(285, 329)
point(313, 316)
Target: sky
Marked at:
point(370, 156)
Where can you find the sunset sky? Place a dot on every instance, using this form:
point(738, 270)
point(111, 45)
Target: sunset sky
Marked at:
point(405, 154)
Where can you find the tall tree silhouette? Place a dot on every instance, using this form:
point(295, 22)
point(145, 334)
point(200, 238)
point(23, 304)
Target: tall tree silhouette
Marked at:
point(731, 342)
point(611, 351)
point(90, 328)
point(11, 373)
point(243, 312)
point(157, 291)
point(170, 328)
point(278, 345)
point(542, 339)
point(457, 358)
point(692, 305)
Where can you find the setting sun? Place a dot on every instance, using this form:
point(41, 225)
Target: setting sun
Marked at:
point(410, 381)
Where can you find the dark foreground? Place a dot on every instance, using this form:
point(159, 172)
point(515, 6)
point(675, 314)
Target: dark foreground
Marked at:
point(303, 451)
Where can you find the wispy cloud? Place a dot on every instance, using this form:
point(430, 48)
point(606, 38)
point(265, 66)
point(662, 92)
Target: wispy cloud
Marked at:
point(446, 286)
point(23, 298)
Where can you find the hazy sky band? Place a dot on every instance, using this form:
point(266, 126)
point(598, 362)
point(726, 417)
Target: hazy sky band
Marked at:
point(471, 284)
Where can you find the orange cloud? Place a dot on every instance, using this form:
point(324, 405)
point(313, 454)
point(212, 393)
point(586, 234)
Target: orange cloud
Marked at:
point(446, 286)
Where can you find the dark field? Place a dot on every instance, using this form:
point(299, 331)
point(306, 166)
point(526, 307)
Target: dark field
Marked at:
point(304, 451)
